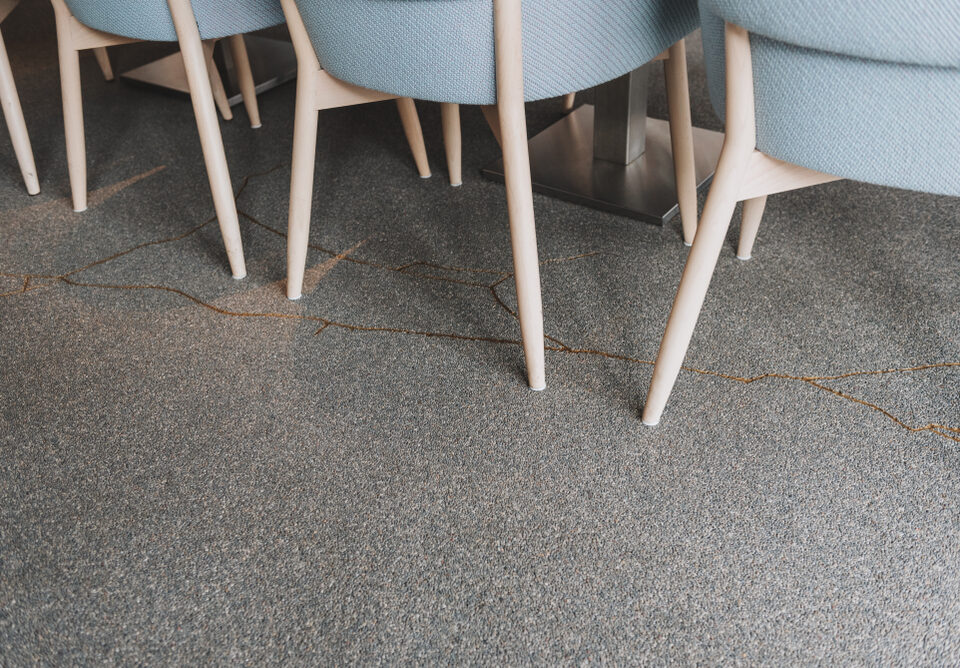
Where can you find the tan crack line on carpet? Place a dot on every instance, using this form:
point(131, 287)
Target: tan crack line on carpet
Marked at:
point(94, 198)
point(945, 431)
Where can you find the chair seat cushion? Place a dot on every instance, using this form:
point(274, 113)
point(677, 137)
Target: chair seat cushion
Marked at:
point(150, 19)
point(443, 50)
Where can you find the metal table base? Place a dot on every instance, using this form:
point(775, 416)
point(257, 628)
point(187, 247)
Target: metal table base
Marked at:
point(562, 165)
point(272, 61)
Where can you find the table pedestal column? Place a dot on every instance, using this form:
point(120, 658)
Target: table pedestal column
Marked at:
point(613, 157)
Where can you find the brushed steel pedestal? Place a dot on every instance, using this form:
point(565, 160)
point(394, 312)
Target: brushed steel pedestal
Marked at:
point(562, 165)
point(272, 61)
point(613, 157)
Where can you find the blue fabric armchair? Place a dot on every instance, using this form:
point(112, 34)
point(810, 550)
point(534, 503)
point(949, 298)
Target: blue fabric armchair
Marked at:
point(812, 91)
point(96, 24)
point(866, 91)
point(487, 52)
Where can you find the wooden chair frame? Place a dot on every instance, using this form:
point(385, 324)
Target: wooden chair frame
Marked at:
point(206, 89)
point(318, 90)
point(743, 174)
point(13, 113)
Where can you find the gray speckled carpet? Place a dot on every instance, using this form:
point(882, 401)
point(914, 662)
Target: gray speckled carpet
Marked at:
point(188, 475)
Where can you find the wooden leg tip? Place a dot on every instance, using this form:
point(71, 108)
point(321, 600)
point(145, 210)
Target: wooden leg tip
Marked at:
point(256, 127)
point(33, 190)
point(539, 388)
point(456, 185)
point(295, 297)
point(649, 419)
point(76, 210)
point(687, 243)
point(425, 176)
point(744, 258)
point(239, 277)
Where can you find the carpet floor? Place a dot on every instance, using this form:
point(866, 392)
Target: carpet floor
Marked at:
point(196, 470)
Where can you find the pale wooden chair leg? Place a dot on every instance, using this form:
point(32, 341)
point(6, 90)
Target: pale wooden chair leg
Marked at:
point(681, 137)
point(749, 224)
point(216, 83)
point(450, 119)
point(103, 60)
point(493, 120)
point(516, 166)
point(198, 78)
point(414, 133)
point(701, 262)
point(738, 146)
point(72, 107)
point(241, 62)
point(17, 126)
point(301, 182)
point(568, 101)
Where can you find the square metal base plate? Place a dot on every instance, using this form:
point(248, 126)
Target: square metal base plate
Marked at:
point(272, 60)
point(562, 166)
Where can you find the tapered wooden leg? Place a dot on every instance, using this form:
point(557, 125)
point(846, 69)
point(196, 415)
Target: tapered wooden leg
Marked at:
point(414, 133)
point(490, 113)
point(103, 60)
point(568, 100)
point(681, 138)
point(13, 113)
point(72, 108)
point(749, 224)
point(241, 62)
point(301, 181)
point(516, 167)
point(450, 119)
point(701, 262)
point(216, 83)
point(198, 79)
point(738, 146)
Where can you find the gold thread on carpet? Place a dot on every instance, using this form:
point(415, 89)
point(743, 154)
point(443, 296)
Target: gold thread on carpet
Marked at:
point(934, 428)
point(945, 431)
point(290, 316)
point(400, 269)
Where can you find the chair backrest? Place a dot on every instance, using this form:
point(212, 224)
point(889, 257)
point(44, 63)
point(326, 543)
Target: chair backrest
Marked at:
point(926, 32)
point(150, 19)
point(867, 91)
point(443, 50)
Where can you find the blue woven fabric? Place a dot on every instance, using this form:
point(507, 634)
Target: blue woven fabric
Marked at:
point(866, 91)
point(443, 50)
point(150, 19)
point(918, 32)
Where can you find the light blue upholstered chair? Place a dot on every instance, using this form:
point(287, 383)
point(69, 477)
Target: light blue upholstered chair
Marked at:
point(485, 52)
point(96, 24)
point(13, 114)
point(813, 91)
